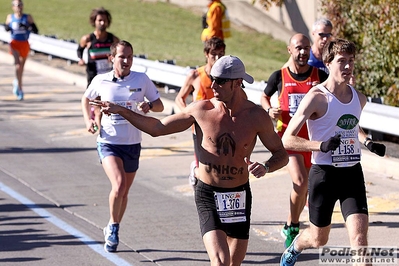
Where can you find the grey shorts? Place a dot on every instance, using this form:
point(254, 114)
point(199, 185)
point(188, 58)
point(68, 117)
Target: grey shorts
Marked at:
point(129, 154)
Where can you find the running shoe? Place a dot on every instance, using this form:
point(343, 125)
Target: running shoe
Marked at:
point(192, 180)
point(15, 87)
point(111, 237)
point(289, 233)
point(20, 95)
point(290, 255)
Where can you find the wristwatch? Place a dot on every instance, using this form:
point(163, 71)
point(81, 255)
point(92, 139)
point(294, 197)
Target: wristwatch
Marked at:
point(268, 110)
point(266, 167)
point(150, 105)
point(365, 141)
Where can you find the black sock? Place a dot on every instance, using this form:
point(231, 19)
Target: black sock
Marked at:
point(285, 226)
point(294, 225)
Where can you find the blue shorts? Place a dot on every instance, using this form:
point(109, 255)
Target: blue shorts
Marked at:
point(129, 154)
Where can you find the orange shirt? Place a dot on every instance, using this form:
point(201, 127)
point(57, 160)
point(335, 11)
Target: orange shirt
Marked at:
point(204, 91)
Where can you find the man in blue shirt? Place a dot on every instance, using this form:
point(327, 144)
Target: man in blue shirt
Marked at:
point(321, 32)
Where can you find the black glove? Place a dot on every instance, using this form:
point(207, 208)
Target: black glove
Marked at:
point(377, 148)
point(331, 144)
point(7, 27)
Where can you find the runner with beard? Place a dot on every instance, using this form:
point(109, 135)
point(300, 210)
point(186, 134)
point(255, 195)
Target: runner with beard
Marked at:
point(332, 111)
point(292, 83)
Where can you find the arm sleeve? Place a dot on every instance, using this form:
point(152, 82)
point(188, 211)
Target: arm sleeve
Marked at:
point(273, 83)
point(80, 51)
point(34, 28)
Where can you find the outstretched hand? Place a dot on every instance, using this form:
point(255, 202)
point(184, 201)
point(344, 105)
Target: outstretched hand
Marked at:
point(106, 107)
point(330, 144)
point(256, 169)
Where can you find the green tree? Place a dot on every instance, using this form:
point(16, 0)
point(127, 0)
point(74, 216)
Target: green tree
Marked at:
point(373, 25)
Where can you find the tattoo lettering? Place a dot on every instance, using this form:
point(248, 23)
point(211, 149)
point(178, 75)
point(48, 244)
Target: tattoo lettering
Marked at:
point(224, 143)
point(224, 170)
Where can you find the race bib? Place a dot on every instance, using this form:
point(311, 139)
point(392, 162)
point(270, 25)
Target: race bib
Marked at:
point(230, 206)
point(117, 119)
point(17, 29)
point(103, 66)
point(294, 99)
point(347, 154)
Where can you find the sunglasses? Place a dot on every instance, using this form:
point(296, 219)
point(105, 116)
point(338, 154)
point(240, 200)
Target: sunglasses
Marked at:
point(325, 35)
point(219, 81)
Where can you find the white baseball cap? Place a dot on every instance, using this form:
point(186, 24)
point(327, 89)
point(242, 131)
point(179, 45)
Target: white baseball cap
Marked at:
point(230, 67)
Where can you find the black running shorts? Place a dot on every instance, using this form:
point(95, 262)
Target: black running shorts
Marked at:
point(327, 184)
point(208, 215)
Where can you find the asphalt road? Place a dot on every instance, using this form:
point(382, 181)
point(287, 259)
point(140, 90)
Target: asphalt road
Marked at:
point(54, 193)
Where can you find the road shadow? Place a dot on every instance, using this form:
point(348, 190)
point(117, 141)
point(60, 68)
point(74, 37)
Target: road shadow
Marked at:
point(17, 150)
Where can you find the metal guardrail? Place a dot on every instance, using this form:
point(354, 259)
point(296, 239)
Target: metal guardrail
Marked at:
point(381, 118)
point(158, 72)
point(375, 117)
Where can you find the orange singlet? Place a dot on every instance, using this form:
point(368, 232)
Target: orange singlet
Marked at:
point(204, 91)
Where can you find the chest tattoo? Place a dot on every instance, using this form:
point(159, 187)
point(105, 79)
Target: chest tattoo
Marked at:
point(225, 144)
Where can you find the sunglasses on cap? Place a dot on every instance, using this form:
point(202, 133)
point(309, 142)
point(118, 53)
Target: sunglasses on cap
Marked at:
point(219, 81)
point(325, 35)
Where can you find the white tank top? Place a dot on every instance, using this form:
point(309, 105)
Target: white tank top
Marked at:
point(340, 118)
